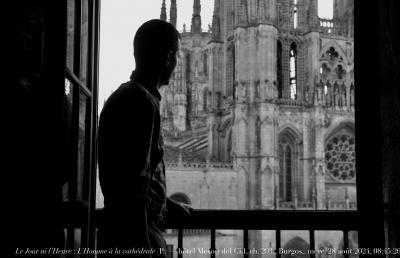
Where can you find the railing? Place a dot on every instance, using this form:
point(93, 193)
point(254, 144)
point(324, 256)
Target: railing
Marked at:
point(198, 165)
point(311, 205)
point(289, 102)
point(335, 27)
point(296, 205)
point(265, 220)
point(342, 205)
point(247, 220)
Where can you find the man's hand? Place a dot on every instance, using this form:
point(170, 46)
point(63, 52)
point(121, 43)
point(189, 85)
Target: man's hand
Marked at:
point(178, 209)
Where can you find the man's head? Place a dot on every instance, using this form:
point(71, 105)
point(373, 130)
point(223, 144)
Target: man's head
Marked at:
point(155, 46)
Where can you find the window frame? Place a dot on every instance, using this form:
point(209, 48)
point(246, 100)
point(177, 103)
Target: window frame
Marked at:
point(84, 80)
point(372, 234)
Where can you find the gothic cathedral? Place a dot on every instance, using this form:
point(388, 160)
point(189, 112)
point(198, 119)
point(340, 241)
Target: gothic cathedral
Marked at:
point(260, 113)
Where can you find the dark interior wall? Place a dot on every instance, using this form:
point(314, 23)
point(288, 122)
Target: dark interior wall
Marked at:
point(389, 71)
point(33, 170)
point(378, 122)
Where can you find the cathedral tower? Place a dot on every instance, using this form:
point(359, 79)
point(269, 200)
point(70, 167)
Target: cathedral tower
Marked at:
point(196, 17)
point(163, 15)
point(255, 41)
point(269, 93)
point(173, 13)
point(275, 84)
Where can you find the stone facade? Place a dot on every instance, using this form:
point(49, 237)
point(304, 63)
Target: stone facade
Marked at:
point(260, 113)
point(267, 91)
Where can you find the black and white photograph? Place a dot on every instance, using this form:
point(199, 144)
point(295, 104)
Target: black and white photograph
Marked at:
point(202, 128)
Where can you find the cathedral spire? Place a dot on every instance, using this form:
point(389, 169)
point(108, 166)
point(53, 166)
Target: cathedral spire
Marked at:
point(173, 13)
point(216, 25)
point(196, 7)
point(196, 18)
point(163, 15)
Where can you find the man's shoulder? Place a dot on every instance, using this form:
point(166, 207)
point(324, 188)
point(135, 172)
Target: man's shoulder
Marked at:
point(128, 94)
point(130, 89)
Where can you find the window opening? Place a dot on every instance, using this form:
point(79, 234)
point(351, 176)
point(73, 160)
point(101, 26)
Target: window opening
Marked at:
point(205, 64)
point(286, 167)
point(279, 68)
point(293, 71)
point(295, 14)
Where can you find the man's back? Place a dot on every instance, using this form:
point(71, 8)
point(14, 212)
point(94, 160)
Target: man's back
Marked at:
point(131, 170)
point(127, 117)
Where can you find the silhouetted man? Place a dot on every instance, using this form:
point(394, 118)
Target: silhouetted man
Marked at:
point(131, 167)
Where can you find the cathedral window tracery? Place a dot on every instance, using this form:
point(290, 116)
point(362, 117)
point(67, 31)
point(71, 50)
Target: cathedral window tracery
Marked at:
point(340, 157)
point(333, 71)
point(332, 53)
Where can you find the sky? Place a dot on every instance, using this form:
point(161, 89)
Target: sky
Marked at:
point(119, 21)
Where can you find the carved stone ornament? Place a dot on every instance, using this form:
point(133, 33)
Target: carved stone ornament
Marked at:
point(267, 120)
point(327, 120)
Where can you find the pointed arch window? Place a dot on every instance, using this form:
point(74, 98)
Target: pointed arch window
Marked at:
point(179, 76)
point(279, 68)
point(288, 173)
point(293, 71)
point(286, 168)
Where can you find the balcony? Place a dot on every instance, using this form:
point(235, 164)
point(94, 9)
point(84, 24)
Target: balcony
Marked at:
point(209, 223)
point(198, 165)
point(289, 102)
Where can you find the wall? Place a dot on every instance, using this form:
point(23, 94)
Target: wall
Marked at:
point(390, 119)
